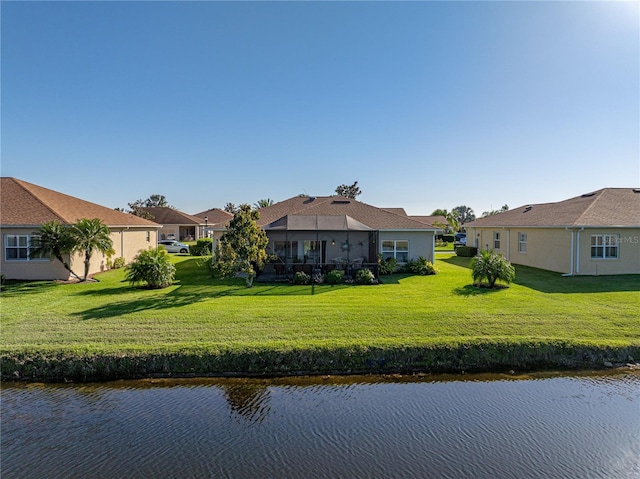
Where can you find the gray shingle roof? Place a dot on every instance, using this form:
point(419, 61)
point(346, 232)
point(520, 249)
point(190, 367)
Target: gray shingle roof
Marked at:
point(169, 216)
point(26, 204)
point(371, 216)
point(606, 207)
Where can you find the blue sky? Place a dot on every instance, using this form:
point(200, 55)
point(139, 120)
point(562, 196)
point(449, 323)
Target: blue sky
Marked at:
point(426, 104)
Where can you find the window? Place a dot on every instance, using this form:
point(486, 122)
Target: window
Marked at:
point(604, 246)
point(496, 240)
point(522, 242)
point(398, 249)
point(19, 248)
point(148, 236)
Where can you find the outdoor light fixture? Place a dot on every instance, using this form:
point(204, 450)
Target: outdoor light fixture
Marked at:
point(333, 242)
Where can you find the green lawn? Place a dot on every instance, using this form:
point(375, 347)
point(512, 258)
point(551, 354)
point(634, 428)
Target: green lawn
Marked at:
point(200, 314)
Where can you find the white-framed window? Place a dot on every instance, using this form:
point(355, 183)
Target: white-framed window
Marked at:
point(522, 242)
point(20, 248)
point(398, 249)
point(496, 240)
point(605, 246)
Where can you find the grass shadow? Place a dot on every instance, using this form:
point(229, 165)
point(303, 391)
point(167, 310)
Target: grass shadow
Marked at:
point(471, 290)
point(18, 288)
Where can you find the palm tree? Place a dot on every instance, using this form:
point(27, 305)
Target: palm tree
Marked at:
point(263, 203)
point(54, 239)
point(492, 267)
point(89, 236)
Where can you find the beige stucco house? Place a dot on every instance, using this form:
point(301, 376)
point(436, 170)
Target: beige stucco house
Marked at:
point(597, 233)
point(177, 225)
point(326, 230)
point(25, 207)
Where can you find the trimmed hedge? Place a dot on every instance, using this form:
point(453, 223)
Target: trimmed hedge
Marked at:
point(466, 251)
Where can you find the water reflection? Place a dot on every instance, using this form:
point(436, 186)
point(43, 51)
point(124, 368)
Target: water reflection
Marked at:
point(485, 426)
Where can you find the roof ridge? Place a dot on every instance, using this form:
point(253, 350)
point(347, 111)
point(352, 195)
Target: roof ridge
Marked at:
point(22, 183)
point(596, 194)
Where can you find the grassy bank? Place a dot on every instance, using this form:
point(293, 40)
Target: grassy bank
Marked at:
point(108, 330)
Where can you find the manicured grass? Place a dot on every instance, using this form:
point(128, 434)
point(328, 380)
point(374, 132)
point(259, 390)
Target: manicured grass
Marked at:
point(198, 314)
point(446, 247)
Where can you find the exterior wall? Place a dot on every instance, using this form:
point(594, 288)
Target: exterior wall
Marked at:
point(550, 249)
point(421, 243)
point(29, 270)
point(126, 243)
point(628, 261)
point(547, 248)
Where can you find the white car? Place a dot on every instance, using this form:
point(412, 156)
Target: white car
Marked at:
point(174, 246)
point(460, 239)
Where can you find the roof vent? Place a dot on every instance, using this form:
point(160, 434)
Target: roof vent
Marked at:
point(527, 208)
point(588, 195)
point(636, 190)
point(341, 202)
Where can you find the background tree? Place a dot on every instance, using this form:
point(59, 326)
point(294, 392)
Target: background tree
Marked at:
point(242, 247)
point(157, 201)
point(349, 191)
point(230, 208)
point(137, 208)
point(89, 236)
point(495, 212)
point(263, 203)
point(53, 239)
point(464, 214)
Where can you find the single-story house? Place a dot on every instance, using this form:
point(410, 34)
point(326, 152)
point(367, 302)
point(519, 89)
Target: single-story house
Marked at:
point(25, 207)
point(327, 230)
point(215, 221)
point(597, 233)
point(177, 225)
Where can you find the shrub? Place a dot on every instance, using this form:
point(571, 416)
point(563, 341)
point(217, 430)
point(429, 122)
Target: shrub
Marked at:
point(466, 251)
point(203, 247)
point(119, 262)
point(492, 267)
point(335, 277)
point(2, 279)
point(153, 267)
point(448, 238)
point(387, 266)
point(422, 266)
point(301, 278)
point(365, 276)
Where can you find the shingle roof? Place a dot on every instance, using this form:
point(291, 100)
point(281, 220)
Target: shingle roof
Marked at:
point(26, 204)
point(436, 221)
point(169, 216)
point(215, 216)
point(375, 218)
point(606, 207)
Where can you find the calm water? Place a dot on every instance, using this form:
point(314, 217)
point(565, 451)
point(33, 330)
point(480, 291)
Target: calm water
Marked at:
point(486, 427)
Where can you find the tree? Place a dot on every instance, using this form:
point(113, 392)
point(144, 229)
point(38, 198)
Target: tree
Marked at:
point(242, 248)
point(230, 208)
point(157, 201)
point(137, 208)
point(88, 236)
point(349, 191)
point(263, 203)
point(495, 212)
point(53, 239)
point(153, 267)
point(492, 267)
point(440, 212)
point(464, 214)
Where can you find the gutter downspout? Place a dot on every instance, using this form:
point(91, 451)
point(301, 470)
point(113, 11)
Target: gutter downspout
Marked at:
point(578, 251)
point(570, 273)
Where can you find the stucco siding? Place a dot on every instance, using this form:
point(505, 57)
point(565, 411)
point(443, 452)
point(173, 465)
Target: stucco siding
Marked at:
point(627, 262)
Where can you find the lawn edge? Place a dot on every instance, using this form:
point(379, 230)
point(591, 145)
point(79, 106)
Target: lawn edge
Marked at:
point(526, 356)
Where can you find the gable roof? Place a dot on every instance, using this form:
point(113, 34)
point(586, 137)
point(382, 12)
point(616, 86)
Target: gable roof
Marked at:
point(215, 216)
point(436, 221)
point(325, 206)
point(606, 207)
point(26, 204)
point(169, 216)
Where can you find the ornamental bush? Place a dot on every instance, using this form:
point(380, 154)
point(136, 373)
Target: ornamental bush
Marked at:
point(301, 278)
point(365, 276)
point(466, 251)
point(203, 247)
point(422, 266)
point(387, 266)
point(152, 267)
point(119, 262)
point(335, 277)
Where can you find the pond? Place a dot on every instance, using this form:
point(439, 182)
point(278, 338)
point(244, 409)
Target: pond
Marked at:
point(544, 426)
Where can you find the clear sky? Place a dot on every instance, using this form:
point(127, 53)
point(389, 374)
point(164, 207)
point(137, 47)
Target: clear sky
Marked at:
point(426, 104)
